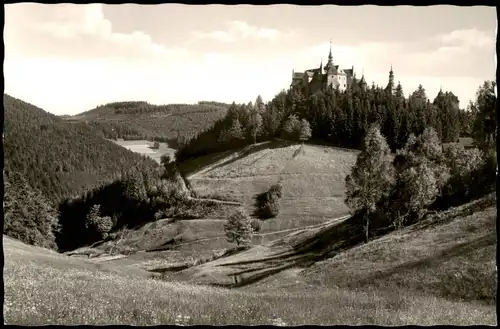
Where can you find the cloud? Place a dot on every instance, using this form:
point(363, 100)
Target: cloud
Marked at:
point(466, 38)
point(238, 30)
point(69, 58)
point(75, 31)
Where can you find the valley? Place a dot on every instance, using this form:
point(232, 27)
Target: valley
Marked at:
point(372, 284)
point(307, 264)
point(293, 212)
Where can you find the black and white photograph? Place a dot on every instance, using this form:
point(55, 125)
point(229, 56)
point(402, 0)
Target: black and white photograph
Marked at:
point(279, 164)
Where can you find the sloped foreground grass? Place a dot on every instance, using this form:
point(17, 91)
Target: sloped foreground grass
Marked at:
point(42, 287)
point(449, 255)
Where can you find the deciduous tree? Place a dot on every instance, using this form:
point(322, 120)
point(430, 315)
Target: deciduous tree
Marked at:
point(372, 177)
point(238, 228)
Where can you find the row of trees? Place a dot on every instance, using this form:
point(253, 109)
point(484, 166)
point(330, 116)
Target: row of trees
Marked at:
point(342, 119)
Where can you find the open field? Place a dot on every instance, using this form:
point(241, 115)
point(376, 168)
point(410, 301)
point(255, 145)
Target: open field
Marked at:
point(312, 178)
point(390, 281)
point(144, 147)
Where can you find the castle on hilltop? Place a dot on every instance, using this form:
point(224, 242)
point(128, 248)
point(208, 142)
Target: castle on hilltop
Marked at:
point(323, 77)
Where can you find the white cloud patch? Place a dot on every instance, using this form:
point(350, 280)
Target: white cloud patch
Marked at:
point(238, 30)
point(75, 31)
point(468, 38)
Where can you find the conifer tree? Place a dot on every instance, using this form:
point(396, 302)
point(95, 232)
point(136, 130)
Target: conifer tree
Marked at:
point(255, 124)
point(305, 130)
point(236, 130)
point(485, 109)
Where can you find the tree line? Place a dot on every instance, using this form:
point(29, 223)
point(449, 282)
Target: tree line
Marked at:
point(337, 118)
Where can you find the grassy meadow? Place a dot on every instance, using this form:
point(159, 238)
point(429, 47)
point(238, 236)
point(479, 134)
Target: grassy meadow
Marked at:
point(312, 178)
point(371, 284)
point(144, 147)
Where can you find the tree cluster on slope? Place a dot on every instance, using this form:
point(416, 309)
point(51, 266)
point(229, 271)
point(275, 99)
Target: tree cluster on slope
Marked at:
point(401, 187)
point(28, 215)
point(131, 201)
point(335, 118)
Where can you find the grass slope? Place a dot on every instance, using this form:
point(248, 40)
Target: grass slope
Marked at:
point(312, 178)
point(170, 121)
point(450, 255)
point(144, 147)
point(43, 287)
point(321, 185)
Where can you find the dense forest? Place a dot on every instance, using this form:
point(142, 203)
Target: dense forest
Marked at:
point(171, 123)
point(61, 159)
point(338, 118)
point(66, 186)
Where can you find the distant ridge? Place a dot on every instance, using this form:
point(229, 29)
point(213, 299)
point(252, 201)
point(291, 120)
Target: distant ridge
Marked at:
point(142, 120)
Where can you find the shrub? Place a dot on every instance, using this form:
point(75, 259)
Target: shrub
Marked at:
point(267, 203)
point(156, 145)
point(305, 130)
point(98, 224)
point(473, 175)
point(238, 228)
point(256, 225)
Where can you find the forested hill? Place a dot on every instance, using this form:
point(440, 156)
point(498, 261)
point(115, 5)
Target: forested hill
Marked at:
point(141, 120)
point(58, 158)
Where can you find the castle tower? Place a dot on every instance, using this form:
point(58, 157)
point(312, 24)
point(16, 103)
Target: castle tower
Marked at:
point(362, 82)
point(329, 64)
point(390, 85)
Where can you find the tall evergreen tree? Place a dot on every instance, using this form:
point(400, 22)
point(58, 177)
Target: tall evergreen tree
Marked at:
point(485, 123)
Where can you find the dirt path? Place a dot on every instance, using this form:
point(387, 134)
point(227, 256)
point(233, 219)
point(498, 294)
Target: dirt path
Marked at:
point(232, 203)
point(327, 223)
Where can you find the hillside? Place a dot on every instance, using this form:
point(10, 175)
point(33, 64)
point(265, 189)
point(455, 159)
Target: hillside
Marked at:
point(393, 280)
point(449, 255)
point(312, 178)
point(141, 120)
point(61, 159)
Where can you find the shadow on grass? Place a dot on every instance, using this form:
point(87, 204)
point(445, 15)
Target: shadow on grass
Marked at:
point(461, 249)
point(251, 149)
point(195, 165)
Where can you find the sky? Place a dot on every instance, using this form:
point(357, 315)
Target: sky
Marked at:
point(68, 58)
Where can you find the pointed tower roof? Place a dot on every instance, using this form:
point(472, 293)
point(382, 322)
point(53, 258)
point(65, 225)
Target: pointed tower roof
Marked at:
point(330, 57)
point(321, 66)
point(329, 65)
